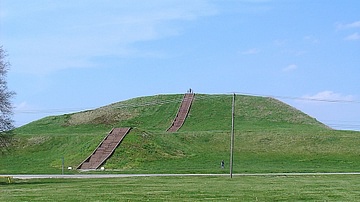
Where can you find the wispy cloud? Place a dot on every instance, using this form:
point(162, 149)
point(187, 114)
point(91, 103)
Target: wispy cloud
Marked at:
point(329, 96)
point(251, 51)
point(355, 24)
point(353, 37)
point(311, 39)
point(289, 68)
point(280, 42)
point(69, 38)
point(350, 27)
point(21, 106)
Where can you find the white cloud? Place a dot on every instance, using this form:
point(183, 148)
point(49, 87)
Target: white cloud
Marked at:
point(290, 68)
point(251, 51)
point(311, 39)
point(280, 42)
point(329, 96)
point(61, 35)
point(351, 26)
point(355, 24)
point(20, 106)
point(353, 37)
point(23, 106)
point(331, 108)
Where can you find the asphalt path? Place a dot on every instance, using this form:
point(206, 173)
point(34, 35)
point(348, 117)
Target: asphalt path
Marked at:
point(85, 176)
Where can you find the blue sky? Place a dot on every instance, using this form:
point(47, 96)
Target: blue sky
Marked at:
point(68, 56)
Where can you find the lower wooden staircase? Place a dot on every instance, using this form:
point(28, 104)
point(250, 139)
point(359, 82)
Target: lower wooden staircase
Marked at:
point(105, 149)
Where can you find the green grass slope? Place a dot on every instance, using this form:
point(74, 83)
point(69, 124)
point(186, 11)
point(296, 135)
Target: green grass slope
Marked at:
point(270, 136)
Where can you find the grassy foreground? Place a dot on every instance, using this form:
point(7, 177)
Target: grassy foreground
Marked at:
point(240, 188)
point(270, 137)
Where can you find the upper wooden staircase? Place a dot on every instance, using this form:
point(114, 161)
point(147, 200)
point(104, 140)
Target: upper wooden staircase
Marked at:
point(182, 112)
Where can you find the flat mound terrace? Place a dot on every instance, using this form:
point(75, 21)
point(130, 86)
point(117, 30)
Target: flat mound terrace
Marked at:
point(270, 136)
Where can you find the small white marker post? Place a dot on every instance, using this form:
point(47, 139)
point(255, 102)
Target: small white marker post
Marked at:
point(62, 165)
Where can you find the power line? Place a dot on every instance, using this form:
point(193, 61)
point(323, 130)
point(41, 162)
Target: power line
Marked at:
point(48, 111)
point(342, 123)
point(197, 97)
point(161, 102)
point(118, 106)
point(303, 98)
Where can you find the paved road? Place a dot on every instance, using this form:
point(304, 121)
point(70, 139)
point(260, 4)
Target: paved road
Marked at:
point(169, 175)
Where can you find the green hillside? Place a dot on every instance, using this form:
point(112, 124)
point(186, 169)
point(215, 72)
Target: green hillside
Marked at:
point(270, 136)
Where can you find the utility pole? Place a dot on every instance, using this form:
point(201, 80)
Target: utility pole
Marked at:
point(232, 137)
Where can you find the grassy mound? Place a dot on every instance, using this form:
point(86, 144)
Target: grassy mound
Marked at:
point(270, 136)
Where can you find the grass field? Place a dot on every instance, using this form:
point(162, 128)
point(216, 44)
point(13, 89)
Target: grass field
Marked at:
point(239, 188)
point(269, 137)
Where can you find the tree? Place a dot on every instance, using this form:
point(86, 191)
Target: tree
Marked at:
point(6, 122)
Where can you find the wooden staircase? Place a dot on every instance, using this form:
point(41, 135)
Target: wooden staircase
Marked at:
point(105, 149)
point(182, 112)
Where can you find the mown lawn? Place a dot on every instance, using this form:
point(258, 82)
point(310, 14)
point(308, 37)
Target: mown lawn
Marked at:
point(239, 188)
